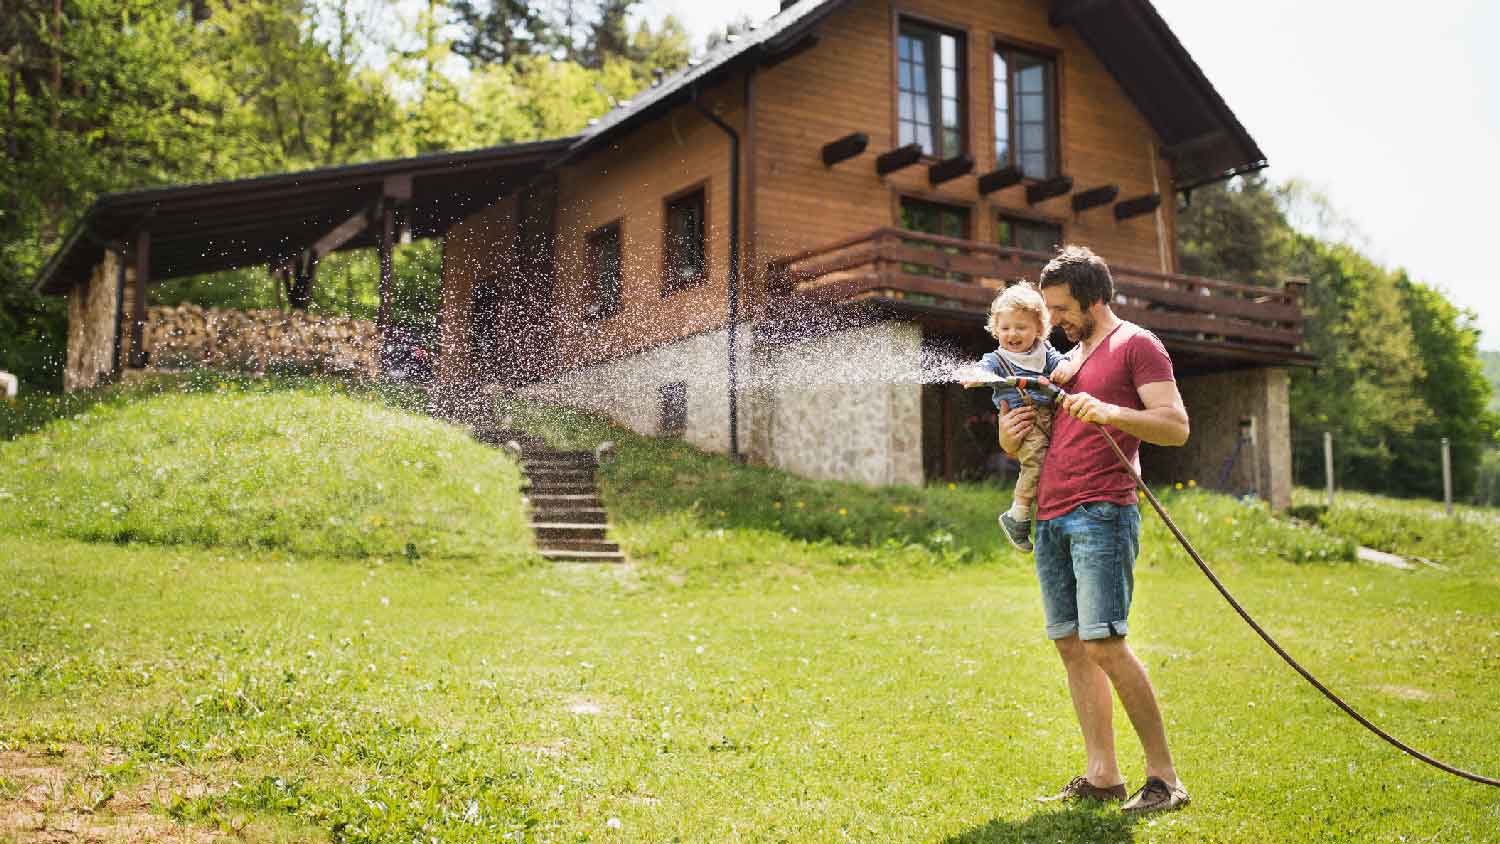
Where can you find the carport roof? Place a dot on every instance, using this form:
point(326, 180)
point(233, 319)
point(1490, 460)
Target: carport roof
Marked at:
point(214, 226)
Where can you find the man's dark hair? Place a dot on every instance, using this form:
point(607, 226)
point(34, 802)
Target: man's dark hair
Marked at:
point(1085, 274)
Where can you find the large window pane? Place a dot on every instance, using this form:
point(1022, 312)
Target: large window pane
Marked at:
point(1026, 123)
point(685, 248)
point(929, 89)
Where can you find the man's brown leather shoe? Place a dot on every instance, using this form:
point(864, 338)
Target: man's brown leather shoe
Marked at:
point(1156, 796)
point(1079, 788)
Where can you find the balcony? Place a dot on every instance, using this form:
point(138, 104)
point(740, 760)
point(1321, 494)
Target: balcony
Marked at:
point(949, 283)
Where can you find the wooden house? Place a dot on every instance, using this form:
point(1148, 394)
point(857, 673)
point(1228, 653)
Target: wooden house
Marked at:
point(727, 256)
point(909, 156)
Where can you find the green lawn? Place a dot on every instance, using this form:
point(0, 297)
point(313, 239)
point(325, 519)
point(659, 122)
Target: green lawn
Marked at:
point(782, 661)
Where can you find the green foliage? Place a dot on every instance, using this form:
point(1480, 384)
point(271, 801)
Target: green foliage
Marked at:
point(147, 94)
point(243, 464)
point(1398, 365)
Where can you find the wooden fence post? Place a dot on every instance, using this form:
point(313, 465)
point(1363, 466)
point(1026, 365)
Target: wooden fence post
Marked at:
point(1328, 463)
point(1447, 478)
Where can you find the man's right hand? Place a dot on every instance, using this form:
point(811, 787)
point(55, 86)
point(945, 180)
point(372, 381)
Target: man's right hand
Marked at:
point(1014, 425)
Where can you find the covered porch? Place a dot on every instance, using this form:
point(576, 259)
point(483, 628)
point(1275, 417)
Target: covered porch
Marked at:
point(1231, 345)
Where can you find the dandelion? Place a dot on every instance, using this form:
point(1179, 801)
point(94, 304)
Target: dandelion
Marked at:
point(843, 511)
point(952, 486)
point(776, 505)
point(801, 504)
point(1177, 485)
point(1192, 484)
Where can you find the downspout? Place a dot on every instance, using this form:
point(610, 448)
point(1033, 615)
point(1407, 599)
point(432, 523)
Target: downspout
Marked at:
point(734, 264)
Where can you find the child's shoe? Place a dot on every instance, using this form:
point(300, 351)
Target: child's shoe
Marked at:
point(1017, 531)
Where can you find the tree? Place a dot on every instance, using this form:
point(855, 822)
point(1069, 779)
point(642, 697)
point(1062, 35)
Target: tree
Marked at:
point(1235, 230)
point(1454, 389)
point(500, 31)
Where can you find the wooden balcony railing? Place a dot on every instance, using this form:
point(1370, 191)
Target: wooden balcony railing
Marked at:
point(895, 265)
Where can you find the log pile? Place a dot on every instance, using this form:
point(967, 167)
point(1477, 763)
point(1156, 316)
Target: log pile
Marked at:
point(253, 341)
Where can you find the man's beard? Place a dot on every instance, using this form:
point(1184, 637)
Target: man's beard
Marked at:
point(1086, 326)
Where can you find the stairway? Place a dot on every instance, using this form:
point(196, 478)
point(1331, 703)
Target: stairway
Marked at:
point(562, 492)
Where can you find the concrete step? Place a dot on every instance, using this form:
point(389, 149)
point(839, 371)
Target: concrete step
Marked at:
point(561, 474)
point(547, 499)
point(570, 515)
point(546, 532)
point(583, 556)
point(534, 490)
point(578, 545)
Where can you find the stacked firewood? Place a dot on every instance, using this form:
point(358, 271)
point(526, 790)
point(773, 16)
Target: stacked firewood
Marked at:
point(255, 341)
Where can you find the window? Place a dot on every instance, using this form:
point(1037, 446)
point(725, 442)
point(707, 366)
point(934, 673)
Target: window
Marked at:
point(673, 408)
point(484, 319)
point(934, 218)
point(684, 251)
point(929, 89)
point(604, 272)
point(1027, 234)
point(1025, 112)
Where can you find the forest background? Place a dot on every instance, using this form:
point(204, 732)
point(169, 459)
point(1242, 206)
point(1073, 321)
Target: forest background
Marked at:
point(110, 95)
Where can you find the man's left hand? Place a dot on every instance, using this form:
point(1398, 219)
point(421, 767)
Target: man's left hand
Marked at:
point(1089, 409)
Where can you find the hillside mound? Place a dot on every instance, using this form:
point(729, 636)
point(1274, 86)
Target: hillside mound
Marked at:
point(307, 470)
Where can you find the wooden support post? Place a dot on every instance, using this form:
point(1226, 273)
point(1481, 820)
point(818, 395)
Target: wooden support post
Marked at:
point(898, 158)
point(844, 148)
point(1447, 478)
point(950, 169)
point(1136, 206)
point(387, 267)
point(1094, 197)
point(1328, 464)
point(138, 309)
point(999, 180)
point(1041, 191)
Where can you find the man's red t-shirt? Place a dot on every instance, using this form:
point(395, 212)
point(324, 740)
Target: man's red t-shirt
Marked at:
point(1080, 466)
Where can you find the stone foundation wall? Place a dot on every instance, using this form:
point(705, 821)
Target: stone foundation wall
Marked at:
point(1215, 405)
point(865, 432)
point(629, 389)
point(92, 307)
point(250, 341)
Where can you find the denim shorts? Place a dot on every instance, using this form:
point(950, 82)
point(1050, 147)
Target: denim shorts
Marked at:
point(1085, 562)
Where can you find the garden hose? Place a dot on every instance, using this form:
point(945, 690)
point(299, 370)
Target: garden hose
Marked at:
point(1021, 383)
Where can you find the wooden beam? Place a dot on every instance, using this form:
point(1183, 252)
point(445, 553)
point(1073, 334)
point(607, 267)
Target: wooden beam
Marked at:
point(1136, 206)
point(138, 307)
point(1048, 188)
point(1095, 197)
point(844, 148)
point(341, 234)
point(387, 242)
point(999, 179)
point(898, 158)
point(950, 169)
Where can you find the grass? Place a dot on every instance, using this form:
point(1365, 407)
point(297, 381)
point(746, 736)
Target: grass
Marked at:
point(297, 467)
point(759, 673)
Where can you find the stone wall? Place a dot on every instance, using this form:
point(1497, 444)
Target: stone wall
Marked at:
point(250, 341)
point(629, 389)
point(1215, 405)
point(92, 307)
point(866, 432)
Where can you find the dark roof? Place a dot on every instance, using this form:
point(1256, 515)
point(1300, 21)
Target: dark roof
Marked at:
point(213, 226)
point(1203, 137)
point(1201, 134)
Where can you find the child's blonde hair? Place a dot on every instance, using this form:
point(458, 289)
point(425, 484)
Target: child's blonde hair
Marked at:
point(1020, 296)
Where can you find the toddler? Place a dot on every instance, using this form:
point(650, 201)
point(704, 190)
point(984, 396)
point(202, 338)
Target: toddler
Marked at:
point(1019, 322)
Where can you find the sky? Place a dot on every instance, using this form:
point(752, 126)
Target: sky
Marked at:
point(1394, 116)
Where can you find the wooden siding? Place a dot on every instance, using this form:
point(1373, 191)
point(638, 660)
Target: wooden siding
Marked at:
point(847, 84)
point(630, 183)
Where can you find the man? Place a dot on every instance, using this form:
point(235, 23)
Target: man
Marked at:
point(1088, 525)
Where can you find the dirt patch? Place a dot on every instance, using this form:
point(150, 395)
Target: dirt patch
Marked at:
point(72, 793)
point(1407, 692)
